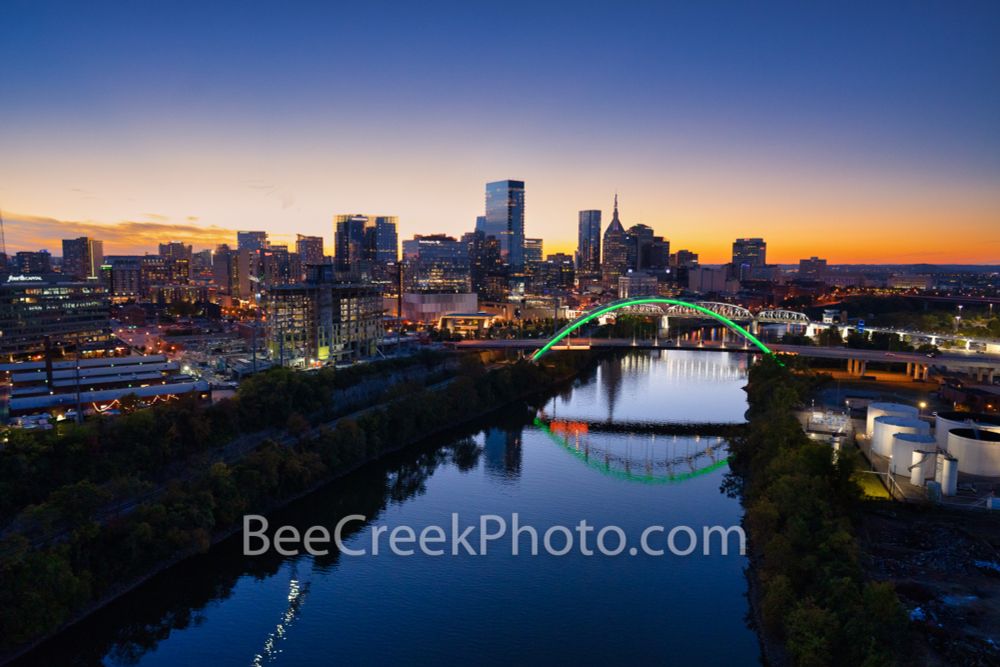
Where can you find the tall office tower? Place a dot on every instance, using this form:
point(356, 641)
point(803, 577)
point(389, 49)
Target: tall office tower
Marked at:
point(748, 254)
point(436, 263)
point(82, 257)
point(381, 240)
point(381, 249)
point(251, 241)
point(532, 252)
point(232, 270)
point(813, 268)
point(640, 244)
point(615, 261)
point(485, 265)
point(276, 266)
point(588, 245)
point(349, 241)
point(366, 241)
point(505, 220)
point(309, 249)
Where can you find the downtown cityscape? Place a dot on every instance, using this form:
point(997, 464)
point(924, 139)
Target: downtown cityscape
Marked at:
point(666, 333)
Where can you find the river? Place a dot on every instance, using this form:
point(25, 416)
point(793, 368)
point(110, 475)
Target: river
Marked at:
point(583, 457)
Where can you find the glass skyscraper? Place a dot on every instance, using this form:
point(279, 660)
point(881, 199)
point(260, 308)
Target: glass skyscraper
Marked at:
point(588, 246)
point(504, 220)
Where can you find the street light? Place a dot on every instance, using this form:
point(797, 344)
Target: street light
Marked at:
point(923, 406)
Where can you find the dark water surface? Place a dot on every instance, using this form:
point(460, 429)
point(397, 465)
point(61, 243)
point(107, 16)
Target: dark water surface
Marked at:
point(559, 467)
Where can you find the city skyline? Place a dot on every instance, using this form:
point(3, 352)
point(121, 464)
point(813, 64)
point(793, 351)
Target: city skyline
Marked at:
point(873, 125)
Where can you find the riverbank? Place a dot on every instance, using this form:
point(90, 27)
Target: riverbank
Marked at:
point(275, 474)
point(810, 600)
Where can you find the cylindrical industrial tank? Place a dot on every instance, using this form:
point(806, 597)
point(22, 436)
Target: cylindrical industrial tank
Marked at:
point(903, 445)
point(947, 474)
point(887, 426)
point(977, 451)
point(946, 421)
point(923, 466)
point(881, 409)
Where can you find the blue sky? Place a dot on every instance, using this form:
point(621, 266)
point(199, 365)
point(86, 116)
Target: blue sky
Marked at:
point(711, 119)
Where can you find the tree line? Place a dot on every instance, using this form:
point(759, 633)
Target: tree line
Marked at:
point(45, 586)
point(802, 507)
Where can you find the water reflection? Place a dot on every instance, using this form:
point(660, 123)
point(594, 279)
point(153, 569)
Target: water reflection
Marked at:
point(640, 458)
point(130, 628)
point(226, 609)
point(502, 454)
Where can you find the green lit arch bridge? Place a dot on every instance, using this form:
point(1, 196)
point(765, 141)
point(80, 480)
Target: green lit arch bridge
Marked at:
point(729, 315)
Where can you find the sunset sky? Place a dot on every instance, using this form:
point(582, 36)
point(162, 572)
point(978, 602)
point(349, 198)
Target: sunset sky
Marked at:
point(862, 132)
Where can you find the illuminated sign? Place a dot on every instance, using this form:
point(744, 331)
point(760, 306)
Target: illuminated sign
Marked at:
point(23, 279)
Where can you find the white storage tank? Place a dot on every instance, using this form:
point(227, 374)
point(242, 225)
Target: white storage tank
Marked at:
point(947, 474)
point(888, 426)
point(903, 445)
point(946, 421)
point(882, 409)
point(977, 451)
point(924, 466)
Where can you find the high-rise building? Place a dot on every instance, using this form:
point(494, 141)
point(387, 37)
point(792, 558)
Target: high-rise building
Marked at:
point(614, 263)
point(504, 220)
point(813, 268)
point(556, 272)
point(684, 259)
point(251, 241)
point(588, 246)
point(76, 258)
point(322, 320)
point(32, 263)
point(179, 252)
point(232, 271)
point(121, 275)
point(436, 263)
point(368, 242)
point(64, 309)
point(381, 249)
point(309, 249)
point(382, 240)
point(309, 252)
point(278, 266)
point(532, 252)
point(175, 250)
point(748, 254)
point(349, 241)
point(485, 265)
point(82, 257)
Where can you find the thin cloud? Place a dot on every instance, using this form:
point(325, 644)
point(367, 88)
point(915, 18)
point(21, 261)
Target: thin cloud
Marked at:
point(283, 195)
point(30, 232)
